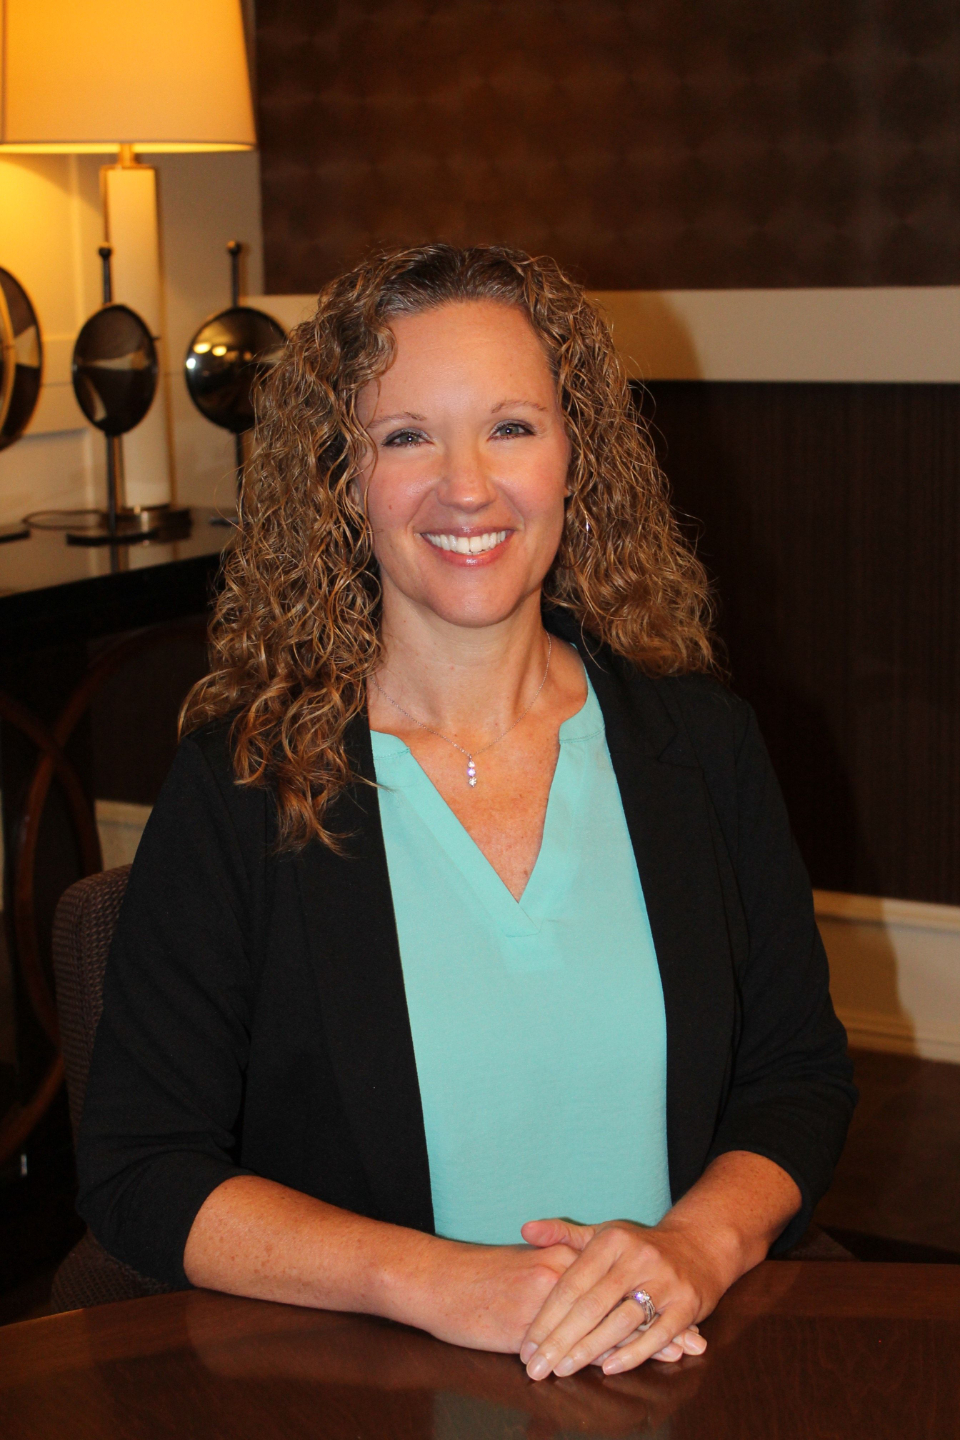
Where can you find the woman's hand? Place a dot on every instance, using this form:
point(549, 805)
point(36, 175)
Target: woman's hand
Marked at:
point(486, 1296)
point(585, 1318)
point(722, 1227)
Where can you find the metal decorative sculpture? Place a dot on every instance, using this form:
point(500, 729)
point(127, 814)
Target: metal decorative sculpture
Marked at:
point(21, 368)
point(115, 373)
point(21, 359)
point(227, 357)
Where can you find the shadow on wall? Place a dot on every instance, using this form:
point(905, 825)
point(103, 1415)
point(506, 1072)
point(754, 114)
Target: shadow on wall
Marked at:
point(870, 978)
point(651, 336)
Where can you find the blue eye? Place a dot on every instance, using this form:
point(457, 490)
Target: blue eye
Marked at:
point(508, 429)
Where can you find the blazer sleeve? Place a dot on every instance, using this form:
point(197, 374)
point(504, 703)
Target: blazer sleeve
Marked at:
point(160, 1118)
point(791, 1096)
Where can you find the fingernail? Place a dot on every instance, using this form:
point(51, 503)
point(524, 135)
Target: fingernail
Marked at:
point(613, 1366)
point(564, 1368)
point(527, 1349)
point(697, 1344)
point(539, 1368)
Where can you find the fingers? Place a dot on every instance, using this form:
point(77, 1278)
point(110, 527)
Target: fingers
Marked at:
point(576, 1305)
point(691, 1342)
point(686, 1344)
point(663, 1340)
point(615, 1342)
point(617, 1332)
point(619, 1327)
point(544, 1233)
point(585, 1318)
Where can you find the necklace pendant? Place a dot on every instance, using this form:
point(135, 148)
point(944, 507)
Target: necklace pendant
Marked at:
point(471, 771)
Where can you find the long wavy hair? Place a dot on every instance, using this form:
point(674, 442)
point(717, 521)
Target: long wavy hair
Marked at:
point(295, 634)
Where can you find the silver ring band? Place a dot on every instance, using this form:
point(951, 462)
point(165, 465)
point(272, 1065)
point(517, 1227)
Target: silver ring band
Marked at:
point(646, 1305)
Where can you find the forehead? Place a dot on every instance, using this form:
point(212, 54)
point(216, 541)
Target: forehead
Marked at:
point(468, 335)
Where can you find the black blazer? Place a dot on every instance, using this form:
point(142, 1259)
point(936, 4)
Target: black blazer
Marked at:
point(254, 1013)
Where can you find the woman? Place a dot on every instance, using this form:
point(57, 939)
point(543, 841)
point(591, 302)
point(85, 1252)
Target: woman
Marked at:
point(470, 902)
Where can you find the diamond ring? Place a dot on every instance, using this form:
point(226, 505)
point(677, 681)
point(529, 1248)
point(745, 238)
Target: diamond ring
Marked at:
point(650, 1311)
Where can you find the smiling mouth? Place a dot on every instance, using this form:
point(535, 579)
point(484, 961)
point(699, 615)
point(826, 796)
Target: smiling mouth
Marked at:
point(467, 544)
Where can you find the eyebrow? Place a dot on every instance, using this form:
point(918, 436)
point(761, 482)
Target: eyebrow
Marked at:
point(509, 404)
point(389, 419)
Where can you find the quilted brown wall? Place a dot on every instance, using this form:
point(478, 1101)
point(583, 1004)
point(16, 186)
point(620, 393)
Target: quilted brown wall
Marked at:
point(644, 143)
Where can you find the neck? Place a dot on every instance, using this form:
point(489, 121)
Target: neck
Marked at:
point(463, 678)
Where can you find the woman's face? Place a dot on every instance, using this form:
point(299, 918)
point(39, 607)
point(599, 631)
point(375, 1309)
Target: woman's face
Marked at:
point(466, 480)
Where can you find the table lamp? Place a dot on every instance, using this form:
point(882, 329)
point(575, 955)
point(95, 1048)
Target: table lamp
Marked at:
point(115, 77)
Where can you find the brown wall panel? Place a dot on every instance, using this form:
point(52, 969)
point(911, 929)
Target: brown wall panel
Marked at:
point(644, 143)
point(829, 516)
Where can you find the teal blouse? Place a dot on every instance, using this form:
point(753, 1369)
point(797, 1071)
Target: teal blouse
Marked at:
point(538, 1026)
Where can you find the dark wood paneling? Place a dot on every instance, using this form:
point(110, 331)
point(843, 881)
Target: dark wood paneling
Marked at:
point(643, 143)
point(830, 518)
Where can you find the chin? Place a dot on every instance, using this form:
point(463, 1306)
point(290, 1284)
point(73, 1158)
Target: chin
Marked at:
point(472, 617)
point(476, 611)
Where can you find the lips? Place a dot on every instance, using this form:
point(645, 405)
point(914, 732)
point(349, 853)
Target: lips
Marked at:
point(466, 544)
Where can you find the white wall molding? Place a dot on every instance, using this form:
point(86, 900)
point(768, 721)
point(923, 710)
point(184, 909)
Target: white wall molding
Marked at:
point(897, 334)
point(120, 825)
point(895, 972)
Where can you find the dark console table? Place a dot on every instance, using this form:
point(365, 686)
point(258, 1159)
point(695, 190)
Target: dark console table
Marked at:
point(72, 618)
point(52, 592)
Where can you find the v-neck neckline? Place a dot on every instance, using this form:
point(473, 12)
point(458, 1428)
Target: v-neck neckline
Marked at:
point(398, 768)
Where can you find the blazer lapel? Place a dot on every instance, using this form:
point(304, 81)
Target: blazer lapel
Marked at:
point(353, 936)
point(667, 809)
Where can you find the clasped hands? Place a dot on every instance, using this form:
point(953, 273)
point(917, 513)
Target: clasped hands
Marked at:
point(585, 1319)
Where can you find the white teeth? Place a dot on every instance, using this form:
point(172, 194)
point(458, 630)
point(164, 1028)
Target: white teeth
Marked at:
point(468, 544)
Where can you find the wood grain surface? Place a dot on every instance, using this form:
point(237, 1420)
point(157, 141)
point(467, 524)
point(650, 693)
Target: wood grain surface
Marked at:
point(800, 1350)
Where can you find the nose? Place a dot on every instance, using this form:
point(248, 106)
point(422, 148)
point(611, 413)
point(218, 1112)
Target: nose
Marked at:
point(466, 483)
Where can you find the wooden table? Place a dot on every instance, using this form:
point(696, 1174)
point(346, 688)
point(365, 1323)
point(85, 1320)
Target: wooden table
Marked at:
point(806, 1350)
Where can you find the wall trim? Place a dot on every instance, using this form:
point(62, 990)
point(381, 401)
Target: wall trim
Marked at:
point(889, 334)
point(895, 972)
point(894, 334)
point(868, 1030)
point(837, 905)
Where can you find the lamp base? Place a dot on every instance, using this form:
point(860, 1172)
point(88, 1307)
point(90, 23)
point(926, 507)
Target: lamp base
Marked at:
point(147, 522)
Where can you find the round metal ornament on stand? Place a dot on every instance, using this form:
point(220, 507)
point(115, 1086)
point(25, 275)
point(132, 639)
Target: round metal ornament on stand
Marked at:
point(227, 357)
point(115, 372)
point(21, 358)
point(21, 369)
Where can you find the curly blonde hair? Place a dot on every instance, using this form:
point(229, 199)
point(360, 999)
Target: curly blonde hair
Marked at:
point(295, 634)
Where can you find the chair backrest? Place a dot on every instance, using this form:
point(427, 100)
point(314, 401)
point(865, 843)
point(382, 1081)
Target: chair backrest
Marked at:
point(83, 927)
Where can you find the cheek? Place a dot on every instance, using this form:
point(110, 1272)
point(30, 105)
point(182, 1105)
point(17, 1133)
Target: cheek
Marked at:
point(542, 499)
point(391, 498)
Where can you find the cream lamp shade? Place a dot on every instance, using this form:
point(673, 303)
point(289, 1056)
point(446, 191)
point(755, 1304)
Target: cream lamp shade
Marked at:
point(91, 75)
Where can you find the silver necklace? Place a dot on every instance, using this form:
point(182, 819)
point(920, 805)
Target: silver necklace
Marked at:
point(471, 763)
